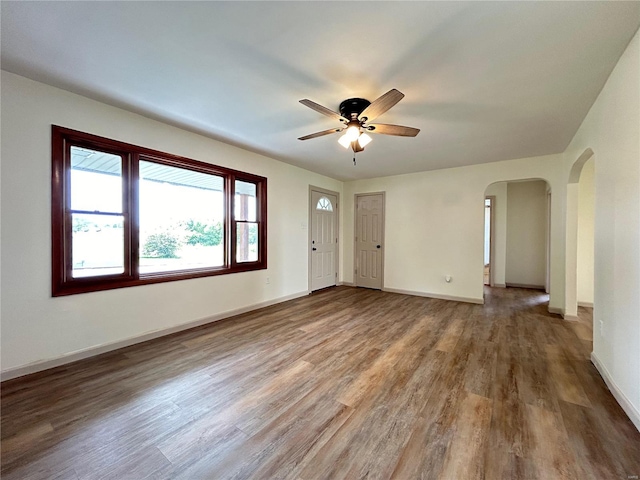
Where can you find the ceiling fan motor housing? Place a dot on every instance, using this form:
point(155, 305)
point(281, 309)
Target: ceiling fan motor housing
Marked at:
point(352, 107)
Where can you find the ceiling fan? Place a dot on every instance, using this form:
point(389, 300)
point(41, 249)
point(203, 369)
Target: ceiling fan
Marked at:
point(355, 115)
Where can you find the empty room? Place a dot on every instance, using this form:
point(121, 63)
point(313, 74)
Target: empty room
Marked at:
point(320, 240)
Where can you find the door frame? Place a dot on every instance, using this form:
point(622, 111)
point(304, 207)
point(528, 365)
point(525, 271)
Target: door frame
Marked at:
point(313, 188)
point(355, 232)
point(547, 276)
point(492, 235)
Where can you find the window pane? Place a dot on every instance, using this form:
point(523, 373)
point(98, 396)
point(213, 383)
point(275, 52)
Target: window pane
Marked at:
point(245, 201)
point(181, 219)
point(324, 204)
point(96, 181)
point(97, 245)
point(247, 242)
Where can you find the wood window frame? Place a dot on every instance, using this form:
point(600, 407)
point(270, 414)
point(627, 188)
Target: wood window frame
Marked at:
point(61, 229)
point(261, 219)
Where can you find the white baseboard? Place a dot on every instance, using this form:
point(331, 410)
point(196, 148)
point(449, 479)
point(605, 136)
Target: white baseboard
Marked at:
point(347, 284)
point(108, 347)
point(585, 304)
point(631, 411)
point(435, 295)
point(499, 285)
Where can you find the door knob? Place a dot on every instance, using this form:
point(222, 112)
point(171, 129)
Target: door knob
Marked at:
point(314, 249)
point(377, 246)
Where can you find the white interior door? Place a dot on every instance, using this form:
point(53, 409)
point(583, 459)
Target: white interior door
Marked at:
point(369, 240)
point(324, 240)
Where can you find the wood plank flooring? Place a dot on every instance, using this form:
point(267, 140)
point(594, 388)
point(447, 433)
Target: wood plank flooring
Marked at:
point(345, 383)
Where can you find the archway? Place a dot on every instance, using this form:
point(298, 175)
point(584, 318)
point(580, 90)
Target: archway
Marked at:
point(571, 240)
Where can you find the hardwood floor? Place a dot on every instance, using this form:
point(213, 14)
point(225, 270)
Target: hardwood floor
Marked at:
point(347, 383)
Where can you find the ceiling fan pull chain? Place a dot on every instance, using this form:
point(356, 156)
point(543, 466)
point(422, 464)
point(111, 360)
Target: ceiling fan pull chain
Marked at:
point(354, 159)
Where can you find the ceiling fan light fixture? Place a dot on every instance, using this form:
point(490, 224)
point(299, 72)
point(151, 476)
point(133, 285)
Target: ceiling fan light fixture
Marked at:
point(353, 132)
point(364, 140)
point(344, 141)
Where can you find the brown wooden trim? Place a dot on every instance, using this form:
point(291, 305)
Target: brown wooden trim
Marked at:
point(262, 229)
point(61, 228)
point(67, 232)
point(75, 287)
point(151, 154)
point(57, 211)
point(261, 220)
point(127, 186)
point(233, 227)
point(134, 214)
point(228, 199)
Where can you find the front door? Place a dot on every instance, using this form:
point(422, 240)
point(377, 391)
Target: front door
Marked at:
point(369, 246)
point(324, 240)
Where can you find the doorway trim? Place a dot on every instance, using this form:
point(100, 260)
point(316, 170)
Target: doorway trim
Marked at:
point(492, 238)
point(313, 188)
point(548, 252)
point(355, 232)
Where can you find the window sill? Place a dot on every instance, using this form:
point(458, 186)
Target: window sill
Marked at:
point(96, 285)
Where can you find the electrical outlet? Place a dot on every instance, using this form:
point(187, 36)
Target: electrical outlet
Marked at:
point(267, 281)
point(601, 327)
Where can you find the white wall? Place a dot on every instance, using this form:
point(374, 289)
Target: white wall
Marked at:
point(526, 233)
point(435, 226)
point(612, 130)
point(37, 327)
point(499, 264)
point(586, 213)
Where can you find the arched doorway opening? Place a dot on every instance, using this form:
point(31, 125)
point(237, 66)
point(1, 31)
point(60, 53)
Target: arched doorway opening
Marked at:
point(579, 246)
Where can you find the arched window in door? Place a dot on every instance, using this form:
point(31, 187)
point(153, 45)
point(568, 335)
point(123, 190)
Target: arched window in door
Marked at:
point(324, 204)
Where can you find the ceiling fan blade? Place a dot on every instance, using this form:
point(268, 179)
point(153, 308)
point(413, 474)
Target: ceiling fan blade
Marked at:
point(381, 105)
point(321, 134)
point(323, 110)
point(397, 130)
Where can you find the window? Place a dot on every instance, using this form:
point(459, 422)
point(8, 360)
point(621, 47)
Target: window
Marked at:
point(97, 215)
point(181, 218)
point(324, 204)
point(245, 219)
point(124, 215)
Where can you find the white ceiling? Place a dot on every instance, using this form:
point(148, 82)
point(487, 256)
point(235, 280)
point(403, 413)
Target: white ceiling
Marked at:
point(484, 81)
